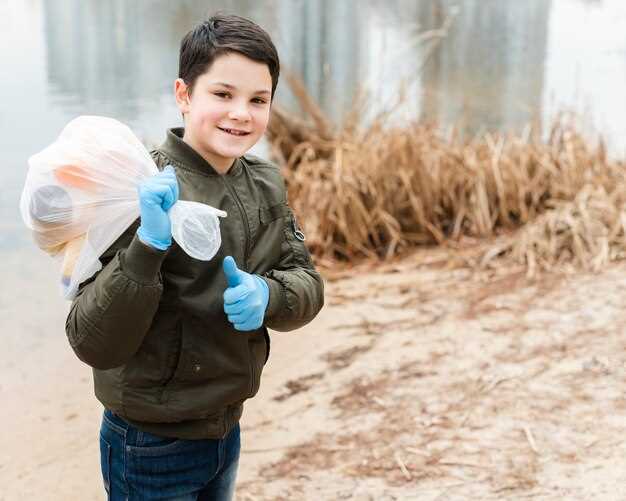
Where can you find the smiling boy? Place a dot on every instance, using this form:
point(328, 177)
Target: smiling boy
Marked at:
point(177, 345)
point(228, 111)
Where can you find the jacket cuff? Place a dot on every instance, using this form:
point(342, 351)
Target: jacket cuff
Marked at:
point(142, 263)
point(277, 297)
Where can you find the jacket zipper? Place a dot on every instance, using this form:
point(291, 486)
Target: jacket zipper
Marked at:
point(246, 228)
point(245, 258)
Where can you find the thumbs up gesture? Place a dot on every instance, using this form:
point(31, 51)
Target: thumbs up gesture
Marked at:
point(245, 298)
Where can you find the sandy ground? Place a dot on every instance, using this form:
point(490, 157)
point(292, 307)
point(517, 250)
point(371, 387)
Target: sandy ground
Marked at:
point(420, 380)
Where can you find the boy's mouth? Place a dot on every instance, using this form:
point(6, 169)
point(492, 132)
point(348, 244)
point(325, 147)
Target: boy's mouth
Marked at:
point(234, 132)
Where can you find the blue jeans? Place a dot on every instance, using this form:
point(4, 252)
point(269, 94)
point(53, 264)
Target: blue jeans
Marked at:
point(138, 466)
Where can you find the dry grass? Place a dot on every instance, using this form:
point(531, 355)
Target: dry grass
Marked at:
point(587, 232)
point(373, 192)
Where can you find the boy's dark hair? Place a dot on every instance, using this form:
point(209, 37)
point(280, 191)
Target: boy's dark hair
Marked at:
point(222, 34)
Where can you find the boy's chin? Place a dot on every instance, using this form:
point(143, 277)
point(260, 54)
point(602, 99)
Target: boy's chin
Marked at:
point(233, 152)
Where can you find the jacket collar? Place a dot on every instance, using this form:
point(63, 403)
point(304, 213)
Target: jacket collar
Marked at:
point(187, 158)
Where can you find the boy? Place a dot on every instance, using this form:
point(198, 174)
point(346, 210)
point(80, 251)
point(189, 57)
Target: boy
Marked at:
point(177, 345)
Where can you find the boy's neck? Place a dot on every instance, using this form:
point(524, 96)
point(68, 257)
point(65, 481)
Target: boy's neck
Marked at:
point(221, 166)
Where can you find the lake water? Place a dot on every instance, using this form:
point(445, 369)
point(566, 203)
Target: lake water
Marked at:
point(484, 64)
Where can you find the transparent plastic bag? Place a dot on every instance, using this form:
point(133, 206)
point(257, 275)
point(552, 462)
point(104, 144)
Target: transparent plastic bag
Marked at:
point(80, 195)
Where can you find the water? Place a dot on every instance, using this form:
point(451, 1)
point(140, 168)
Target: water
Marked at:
point(501, 64)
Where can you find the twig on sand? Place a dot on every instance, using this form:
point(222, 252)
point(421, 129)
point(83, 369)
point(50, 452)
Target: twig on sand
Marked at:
point(405, 472)
point(530, 438)
point(461, 463)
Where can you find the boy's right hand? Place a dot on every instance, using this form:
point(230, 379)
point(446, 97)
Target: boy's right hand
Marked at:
point(157, 194)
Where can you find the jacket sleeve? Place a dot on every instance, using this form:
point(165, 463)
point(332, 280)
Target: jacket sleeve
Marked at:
point(113, 310)
point(296, 289)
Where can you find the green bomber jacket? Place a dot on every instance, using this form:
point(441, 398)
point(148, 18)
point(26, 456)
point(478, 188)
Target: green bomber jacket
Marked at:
point(151, 323)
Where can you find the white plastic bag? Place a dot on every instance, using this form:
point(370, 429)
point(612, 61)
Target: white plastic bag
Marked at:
point(80, 195)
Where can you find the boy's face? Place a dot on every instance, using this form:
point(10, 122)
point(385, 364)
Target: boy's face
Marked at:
point(228, 109)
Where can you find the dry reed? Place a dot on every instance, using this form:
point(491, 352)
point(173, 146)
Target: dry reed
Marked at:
point(371, 192)
point(587, 232)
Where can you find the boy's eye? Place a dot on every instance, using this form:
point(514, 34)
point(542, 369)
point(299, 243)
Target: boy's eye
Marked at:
point(222, 94)
point(259, 100)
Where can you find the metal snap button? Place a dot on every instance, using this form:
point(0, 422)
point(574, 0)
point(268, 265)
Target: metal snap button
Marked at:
point(296, 231)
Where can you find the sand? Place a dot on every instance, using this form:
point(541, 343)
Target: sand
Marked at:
point(418, 380)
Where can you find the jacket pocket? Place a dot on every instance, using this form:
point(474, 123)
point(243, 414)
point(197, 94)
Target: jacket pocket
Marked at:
point(200, 355)
point(154, 364)
point(268, 240)
point(173, 357)
point(272, 213)
point(258, 349)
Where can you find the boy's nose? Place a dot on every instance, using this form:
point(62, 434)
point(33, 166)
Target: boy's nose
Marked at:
point(239, 112)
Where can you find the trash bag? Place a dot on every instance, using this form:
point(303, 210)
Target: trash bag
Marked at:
point(81, 194)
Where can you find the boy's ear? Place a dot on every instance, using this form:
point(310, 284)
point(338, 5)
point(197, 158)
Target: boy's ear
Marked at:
point(181, 93)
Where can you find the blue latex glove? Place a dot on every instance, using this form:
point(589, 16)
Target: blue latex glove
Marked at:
point(246, 297)
point(157, 194)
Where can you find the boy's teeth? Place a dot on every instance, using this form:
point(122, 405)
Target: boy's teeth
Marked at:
point(233, 132)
